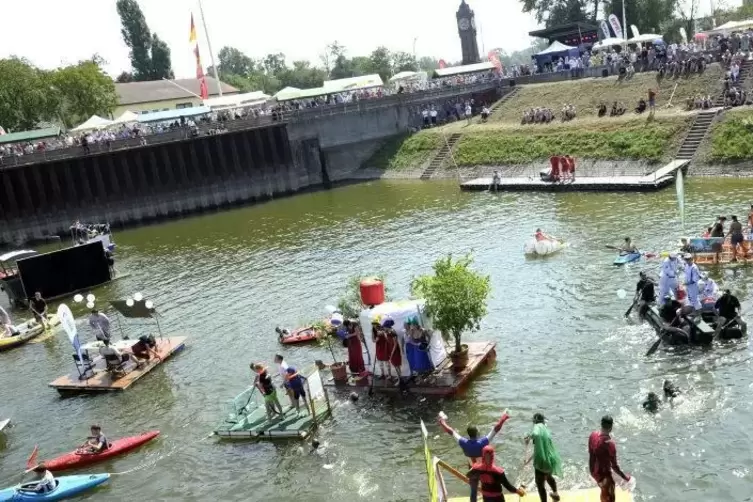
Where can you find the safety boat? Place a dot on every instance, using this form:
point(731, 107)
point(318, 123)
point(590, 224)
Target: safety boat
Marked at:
point(718, 250)
point(543, 247)
point(300, 335)
point(704, 325)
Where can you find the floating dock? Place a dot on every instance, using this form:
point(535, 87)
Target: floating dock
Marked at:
point(657, 180)
point(100, 380)
point(246, 416)
point(718, 251)
point(589, 495)
point(444, 381)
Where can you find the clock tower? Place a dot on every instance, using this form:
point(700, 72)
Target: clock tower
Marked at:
point(467, 31)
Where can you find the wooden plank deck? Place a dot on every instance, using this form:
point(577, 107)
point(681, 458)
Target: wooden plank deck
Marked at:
point(442, 382)
point(101, 381)
point(256, 426)
point(587, 495)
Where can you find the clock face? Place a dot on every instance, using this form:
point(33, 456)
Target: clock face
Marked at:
point(464, 24)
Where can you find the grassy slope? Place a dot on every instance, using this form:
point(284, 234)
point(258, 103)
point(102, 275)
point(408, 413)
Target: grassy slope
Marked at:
point(731, 139)
point(587, 94)
point(406, 151)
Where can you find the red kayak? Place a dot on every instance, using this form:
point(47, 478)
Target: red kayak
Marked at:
point(118, 447)
point(300, 335)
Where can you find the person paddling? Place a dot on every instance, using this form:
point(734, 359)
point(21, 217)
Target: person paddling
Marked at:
point(628, 247)
point(602, 460)
point(473, 444)
point(546, 460)
point(728, 310)
point(645, 294)
point(45, 481)
point(541, 236)
point(491, 477)
point(96, 443)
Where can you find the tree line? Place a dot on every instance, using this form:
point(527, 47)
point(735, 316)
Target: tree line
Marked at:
point(273, 73)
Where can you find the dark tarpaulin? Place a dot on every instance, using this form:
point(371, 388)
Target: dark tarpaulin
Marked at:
point(137, 311)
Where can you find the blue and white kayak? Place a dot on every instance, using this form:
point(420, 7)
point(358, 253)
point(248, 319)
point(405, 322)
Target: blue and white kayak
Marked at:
point(66, 486)
point(623, 259)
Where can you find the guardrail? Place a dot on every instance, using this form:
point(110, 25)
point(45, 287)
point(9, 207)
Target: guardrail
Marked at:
point(305, 114)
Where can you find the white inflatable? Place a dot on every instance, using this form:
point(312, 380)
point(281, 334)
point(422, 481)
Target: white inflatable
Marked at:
point(542, 248)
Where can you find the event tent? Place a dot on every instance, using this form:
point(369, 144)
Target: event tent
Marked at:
point(353, 83)
point(645, 38)
point(451, 71)
point(287, 93)
point(237, 100)
point(176, 114)
point(94, 122)
point(126, 118)
point(554, 51)
point(409, 75)
point(607, 43)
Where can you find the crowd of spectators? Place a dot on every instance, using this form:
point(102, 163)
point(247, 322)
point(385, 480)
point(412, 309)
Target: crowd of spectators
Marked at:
point(546, 115)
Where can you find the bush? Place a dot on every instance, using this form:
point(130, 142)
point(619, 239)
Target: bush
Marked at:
point(732, 139)
point(406, 151)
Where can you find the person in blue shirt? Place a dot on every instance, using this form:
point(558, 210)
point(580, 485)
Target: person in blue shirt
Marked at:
point(295, 384)
point(473, 444)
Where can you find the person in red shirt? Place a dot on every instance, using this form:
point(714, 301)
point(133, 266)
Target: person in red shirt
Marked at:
point(571, 165)
point(554, 174)
point(602, 459)
point(492, 479)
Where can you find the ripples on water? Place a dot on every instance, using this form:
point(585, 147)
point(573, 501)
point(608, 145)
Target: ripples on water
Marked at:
point(563, 347)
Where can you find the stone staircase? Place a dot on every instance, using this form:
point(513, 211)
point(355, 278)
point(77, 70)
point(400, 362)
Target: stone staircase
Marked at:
point(745, 72)
point(695, 135)
point(440, 157)
point(507, 98)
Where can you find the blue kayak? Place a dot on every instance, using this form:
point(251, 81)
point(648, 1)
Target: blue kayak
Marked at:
point(66, 486)
point(622, 259)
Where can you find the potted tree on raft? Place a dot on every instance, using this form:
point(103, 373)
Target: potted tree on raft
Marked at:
point(456, 298)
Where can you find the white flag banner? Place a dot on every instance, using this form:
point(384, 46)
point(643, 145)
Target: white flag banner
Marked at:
point(635, 31)
point(684, 35)
point(616, 27)
point(69, 325)
point(605, 29)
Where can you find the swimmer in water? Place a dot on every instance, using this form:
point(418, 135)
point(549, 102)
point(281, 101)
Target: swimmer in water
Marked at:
point(670, 390)
point(652, 403)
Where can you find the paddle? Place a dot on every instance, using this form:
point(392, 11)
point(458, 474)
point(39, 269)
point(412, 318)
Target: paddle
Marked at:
point(654, 346)
point(31, 463)
point(373, 377)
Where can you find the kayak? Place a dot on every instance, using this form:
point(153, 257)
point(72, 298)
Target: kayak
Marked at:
point(623, 259)
point(66, 486)
point(27, 331)
point(542, 248)
point(300, 335)
point(118, 447)
point(4, 424)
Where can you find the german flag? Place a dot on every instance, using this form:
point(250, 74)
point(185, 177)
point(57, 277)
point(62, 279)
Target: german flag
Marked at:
point(192, 37)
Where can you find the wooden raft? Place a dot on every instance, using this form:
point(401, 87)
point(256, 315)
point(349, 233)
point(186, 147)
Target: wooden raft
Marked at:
point(444, 381)
point(102, 381)
point(588, 495)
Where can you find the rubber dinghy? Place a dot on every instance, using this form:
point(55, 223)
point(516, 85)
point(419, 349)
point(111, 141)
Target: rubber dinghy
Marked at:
point(117, 447)
point(65, 487)
point(542, 248)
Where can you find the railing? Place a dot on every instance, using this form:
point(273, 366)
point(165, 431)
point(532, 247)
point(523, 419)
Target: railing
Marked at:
point(305, 114)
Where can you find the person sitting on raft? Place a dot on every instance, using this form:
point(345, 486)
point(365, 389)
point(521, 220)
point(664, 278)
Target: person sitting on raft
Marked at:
point(472, 445)
point(491, 477)
point(145, 348)
point(685, 246)
point(39, 308)
point(628, 247)
point(546, 460)
point(541, 236)
point(728, 310)
point(644, 291)
point(668, 311)
point(710, 289)
point(45, 481)
point(96, 443)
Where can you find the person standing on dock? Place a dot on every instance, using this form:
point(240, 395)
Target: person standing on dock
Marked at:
point(668, 277)
point(282, 370)
point(39, 308)
point(353, 338)
point(692, 276)
point(602, 459)
point(473, 444)
point(737, 238)
point(263, 382)
point(492, 479)
point(546, 459)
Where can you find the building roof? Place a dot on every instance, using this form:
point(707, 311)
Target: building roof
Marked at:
point(563, 29)
point(468, 68)
point(15, 137)
point(162, 90)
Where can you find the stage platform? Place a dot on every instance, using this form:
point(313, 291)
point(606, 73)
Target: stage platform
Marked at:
point(657, 180)
point(100, 379)
point(444, 381)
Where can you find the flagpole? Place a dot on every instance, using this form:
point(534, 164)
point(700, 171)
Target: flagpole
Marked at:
point(624, 22)
point(211, 53)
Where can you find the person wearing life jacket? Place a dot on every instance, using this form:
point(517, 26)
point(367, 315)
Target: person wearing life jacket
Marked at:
point(473, 444)
point(710, 289)
point(491, 477)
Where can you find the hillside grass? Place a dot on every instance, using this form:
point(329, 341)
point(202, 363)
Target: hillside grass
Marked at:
point(731, 139)
point(406, 151)
point(587, 94)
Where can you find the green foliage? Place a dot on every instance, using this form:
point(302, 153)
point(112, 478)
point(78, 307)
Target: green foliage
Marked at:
point(83, 90)
point(636, 139)
point(732, 138)
point(556, 12)
point(456, 296)
point(650, 16)
point(406, 151)
point(350, 302)
point(150, 56)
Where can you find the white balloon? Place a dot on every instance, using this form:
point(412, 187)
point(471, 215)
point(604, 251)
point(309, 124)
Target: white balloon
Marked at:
point(621, 294)
point(129, 302)
point(90, 297)
point(148, 304)
point(78, 298)
point(138, 297)
point(90, 305)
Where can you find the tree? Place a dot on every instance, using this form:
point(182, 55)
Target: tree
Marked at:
point(162, 66)
point(381, 62)
point(428, 64)
point(456, 297)
point(124, 77)
point(556, 12)
point(331, 54)
point(403, 61)
point(25, 95)
point(137, 37)
point(302, 75)
point(274, 63)
point(83, 90)
point(650, 16)
point(231, 61)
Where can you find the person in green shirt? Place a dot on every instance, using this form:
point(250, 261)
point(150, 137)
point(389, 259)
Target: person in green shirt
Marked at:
point(546, 460)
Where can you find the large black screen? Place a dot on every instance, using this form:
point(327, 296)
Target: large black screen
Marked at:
point(61, 272)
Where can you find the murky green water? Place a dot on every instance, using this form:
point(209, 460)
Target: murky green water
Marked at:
point(564, 349)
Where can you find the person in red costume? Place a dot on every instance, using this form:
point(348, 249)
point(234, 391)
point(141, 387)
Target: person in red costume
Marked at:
point(571, 161)
point(491, 478)
point(382, 353)
point(473, 444)
point(602, 459)
point(555, 172)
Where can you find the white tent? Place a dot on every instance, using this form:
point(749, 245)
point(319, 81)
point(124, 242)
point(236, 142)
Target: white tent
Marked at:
point(555, 48)
point(729, 26)
point(400, 312)
point(94, 122)
point(644, 39)
point(353, 83)
point(607, 43)
point(287, 93)
point(126, 118)
point(237, 100)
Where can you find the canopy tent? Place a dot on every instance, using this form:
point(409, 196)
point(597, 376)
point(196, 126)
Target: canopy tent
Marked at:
point(555, 51)
point(607, 43)
point(408, 76)
point(237, 100)
point(287, 93)
point(15, 137)
point(645, 38)
point(730, 26)
point(467, 68)
point(126, 118)
point(94, 122)
point(174, 114)
point(353, 83)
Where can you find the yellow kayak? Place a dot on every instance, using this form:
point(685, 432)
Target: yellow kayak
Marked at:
point(27, 331)
point(588, 495)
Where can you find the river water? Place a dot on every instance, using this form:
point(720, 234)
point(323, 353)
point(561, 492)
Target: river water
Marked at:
point(564, 349)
